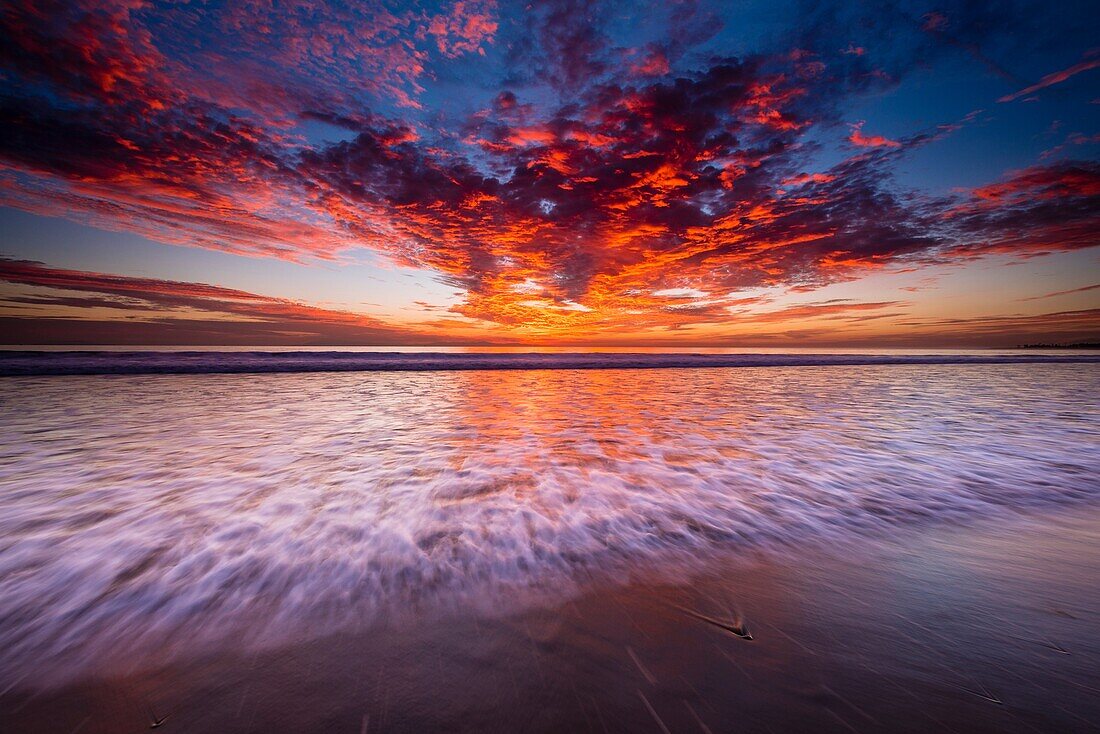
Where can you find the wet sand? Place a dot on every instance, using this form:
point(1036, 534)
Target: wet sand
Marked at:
point(988, 627)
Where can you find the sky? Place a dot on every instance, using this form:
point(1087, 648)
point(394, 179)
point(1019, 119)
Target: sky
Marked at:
point(689, 173)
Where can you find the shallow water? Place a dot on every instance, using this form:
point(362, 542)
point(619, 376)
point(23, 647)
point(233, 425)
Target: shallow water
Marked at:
point(152, 515)
point(992, 627)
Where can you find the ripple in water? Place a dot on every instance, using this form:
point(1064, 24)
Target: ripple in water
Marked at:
point(144, 513)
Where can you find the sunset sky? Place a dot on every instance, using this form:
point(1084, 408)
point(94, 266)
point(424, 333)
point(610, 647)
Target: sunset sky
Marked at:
point(563, 172)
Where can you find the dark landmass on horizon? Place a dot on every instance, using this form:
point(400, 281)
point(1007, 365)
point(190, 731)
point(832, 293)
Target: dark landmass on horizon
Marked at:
point(1078, 345)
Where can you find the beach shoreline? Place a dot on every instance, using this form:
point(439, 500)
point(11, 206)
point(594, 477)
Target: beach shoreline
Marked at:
point(983, 626)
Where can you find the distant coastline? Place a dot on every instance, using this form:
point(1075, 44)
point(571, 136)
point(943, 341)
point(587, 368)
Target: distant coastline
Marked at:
point(1076, 345)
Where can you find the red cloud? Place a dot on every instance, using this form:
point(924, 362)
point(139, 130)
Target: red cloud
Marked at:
point(804, 178)
point(1033, 212)
point(1055, 78)
point(655, 63)
point(465, 28)
point(860, 140)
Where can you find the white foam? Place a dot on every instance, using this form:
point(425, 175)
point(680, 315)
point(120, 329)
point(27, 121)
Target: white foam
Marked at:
point(143, 512)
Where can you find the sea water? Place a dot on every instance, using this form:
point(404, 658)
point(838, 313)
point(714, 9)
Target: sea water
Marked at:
point(145, 515)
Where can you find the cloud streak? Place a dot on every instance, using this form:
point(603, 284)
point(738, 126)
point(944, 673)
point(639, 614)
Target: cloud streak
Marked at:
point(173, 307)
point(1056, 77)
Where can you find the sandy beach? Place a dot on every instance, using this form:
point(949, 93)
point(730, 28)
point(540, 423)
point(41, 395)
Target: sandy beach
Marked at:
point(969, 628)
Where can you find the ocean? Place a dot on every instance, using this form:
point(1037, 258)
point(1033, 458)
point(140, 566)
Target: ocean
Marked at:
point(153, 519)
